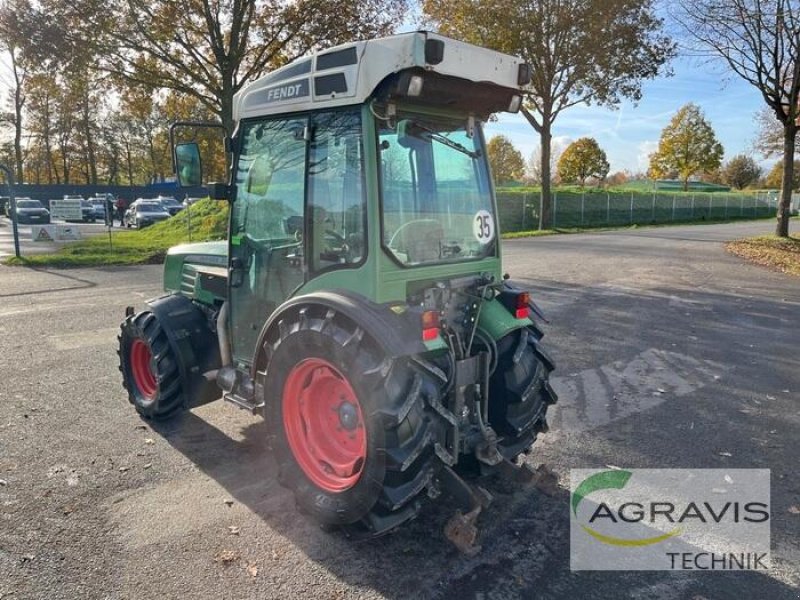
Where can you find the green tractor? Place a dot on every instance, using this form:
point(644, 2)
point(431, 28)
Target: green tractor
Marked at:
point(358, 303)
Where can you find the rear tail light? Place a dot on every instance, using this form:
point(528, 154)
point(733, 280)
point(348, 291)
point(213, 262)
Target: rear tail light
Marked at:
point(523, 311)
point(430, 325)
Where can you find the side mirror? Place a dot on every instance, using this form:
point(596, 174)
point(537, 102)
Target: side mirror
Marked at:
point(188, 166)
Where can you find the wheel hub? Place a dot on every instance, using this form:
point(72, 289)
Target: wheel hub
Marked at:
point(324, 425)
point(348, 417)
point(141, 364)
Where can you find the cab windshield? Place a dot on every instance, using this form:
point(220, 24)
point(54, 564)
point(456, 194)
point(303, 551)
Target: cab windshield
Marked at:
point(436, 199)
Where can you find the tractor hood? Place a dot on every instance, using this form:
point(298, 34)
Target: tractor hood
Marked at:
point(198, 271)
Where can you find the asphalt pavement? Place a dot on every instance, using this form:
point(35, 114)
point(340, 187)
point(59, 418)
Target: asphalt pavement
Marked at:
point(670, 353)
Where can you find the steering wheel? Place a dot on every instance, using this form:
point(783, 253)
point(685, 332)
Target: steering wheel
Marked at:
point(415, 231)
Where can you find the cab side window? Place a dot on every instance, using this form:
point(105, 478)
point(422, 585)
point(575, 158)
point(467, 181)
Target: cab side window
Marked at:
point(270, 179)
point(336, 198)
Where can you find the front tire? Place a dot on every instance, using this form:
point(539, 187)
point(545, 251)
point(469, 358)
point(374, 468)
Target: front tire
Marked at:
point(352, 430)
point(149, 368)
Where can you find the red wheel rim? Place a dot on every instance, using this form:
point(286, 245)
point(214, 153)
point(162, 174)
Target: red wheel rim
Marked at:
point(324, 425)
point(143, 377)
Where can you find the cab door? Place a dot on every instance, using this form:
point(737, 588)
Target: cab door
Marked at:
point(299, 212)
point(267, 221)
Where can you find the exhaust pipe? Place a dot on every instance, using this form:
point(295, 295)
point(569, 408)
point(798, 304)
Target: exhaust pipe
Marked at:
point(222, 336)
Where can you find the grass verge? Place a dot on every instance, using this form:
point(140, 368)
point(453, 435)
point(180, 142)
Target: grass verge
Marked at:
point(781, 254)
point(533, 233)
point(206, 220)
point(599, 228)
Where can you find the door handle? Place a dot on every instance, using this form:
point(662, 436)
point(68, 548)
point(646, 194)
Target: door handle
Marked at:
point(236, 272)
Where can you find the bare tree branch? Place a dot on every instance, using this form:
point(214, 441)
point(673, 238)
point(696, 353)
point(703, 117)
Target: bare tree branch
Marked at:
point(759, 40)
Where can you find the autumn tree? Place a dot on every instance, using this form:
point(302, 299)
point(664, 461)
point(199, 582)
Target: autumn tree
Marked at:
point(110, 154)
point(43, 92)
point(688, 146)
point(758, 40)
point(89, 93)
point(125, 132)
point(534, 165)
point(716, 176)
point(16, 29)
point(618, 178)
point(581, 51)
point(769, 133)
point(143, 113)
point(740, 171)
point(582, 159)
point(774, 178)
point(505, 160)
point(208, 49)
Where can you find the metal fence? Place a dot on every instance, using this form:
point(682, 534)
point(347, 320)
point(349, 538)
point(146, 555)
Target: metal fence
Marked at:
point(519, 211)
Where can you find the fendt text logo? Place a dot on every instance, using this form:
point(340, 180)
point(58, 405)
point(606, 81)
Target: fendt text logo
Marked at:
point(670, 519)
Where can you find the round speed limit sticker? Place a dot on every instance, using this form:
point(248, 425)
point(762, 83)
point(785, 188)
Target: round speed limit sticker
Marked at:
point(483, 226)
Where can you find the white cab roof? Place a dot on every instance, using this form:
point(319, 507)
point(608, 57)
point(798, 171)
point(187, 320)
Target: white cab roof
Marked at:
point(349, 74)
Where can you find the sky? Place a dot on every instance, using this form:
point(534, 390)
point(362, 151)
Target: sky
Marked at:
point(631, 132)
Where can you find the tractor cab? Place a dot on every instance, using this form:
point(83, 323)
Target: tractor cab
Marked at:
point(358, 302)
point(363, 167)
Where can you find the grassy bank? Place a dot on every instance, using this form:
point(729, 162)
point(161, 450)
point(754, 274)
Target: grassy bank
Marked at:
point(204, 220)
point(782, 254)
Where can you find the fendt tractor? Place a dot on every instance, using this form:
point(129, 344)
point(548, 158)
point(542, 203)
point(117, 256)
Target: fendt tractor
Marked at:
point(358, 303)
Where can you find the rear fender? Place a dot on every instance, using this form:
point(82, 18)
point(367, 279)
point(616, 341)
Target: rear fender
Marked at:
point(397, 334)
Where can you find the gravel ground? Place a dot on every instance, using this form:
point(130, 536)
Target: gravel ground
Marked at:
point(95, 503)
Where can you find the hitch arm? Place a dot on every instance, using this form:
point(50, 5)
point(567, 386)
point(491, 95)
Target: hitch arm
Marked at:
point(461, 529)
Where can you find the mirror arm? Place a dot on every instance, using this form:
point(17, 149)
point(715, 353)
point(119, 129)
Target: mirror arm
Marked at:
point(220, 191)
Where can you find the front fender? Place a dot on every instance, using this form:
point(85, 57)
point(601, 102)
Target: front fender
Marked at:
point(193, 342)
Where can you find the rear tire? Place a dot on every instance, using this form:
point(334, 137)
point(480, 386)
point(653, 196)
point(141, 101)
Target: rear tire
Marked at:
point(391, 399)
point(149, 368)
point(520, 392)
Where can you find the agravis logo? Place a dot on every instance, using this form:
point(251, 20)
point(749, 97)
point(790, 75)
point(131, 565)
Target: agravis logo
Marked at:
point(611, 480)
point(643, 519)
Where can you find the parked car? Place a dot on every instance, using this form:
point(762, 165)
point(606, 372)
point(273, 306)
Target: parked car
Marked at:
point(31, 211)
point(103, 205)
point(145, 212)
point(99, 206)
point(189, 201)
point(87, 210)
point(172, 206)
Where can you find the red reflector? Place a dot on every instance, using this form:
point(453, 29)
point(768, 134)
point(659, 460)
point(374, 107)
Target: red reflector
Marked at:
point(523, 312)
point(430, 318)
point(430, 325)
point(430, 334)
